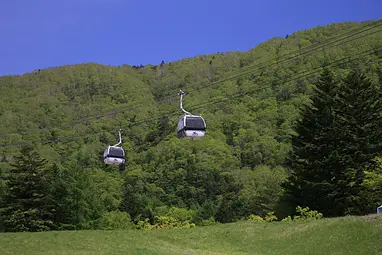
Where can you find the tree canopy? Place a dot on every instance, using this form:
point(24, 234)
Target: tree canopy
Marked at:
point(251, 102)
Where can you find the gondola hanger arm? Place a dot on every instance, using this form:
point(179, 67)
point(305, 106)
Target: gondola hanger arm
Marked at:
point(181, 93)
point(120, 138)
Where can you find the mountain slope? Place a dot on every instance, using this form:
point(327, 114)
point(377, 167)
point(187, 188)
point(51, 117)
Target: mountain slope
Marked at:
point(250, 101)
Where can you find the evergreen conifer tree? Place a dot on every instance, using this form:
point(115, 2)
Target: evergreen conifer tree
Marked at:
point(27, 206)
point(338, 136)
point(314, 156)
point(360, 108)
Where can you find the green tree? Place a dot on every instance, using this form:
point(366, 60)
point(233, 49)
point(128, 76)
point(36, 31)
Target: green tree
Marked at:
point(360, 111)
point(373, 183)
point(337, 139)
point(72, 110)
point(64, 210)
point(28, 205)
point(314, 156)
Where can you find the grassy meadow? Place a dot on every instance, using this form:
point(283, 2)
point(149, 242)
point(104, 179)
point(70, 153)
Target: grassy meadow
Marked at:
point(346, 235)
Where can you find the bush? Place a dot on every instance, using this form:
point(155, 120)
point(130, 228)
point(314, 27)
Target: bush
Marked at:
point(144, 225)
point(168, 218)
point(255, 218)
point(164, 222)
point(305, 214)
point(289, 218)
point(270, 217)
point(115, 220)
point(209, 222)
point(180, 214)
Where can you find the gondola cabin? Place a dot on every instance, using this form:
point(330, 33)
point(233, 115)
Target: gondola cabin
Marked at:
point(114, 155)
point(191, 127)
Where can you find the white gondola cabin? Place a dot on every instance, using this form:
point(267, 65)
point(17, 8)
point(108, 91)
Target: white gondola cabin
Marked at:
point(190, 127)
point(115, 155)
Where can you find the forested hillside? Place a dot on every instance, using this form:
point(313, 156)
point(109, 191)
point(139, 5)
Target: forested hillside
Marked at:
point(250, 100)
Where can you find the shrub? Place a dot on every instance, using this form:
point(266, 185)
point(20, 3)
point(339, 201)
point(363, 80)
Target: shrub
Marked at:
point(180, 214)
point(168, 218)
point(270, 217)
point(115, 220)
point(209, 222)
point(305, 214)
point(255, 218)
point(144, 225)
point(289, 218)
point(164, 222)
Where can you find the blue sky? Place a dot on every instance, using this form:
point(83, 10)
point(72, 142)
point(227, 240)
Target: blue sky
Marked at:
point(45, 33)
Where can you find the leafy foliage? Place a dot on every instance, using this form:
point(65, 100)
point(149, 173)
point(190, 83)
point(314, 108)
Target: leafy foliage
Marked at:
point(169, 218)
point(373, 182)
point(115, 220)
point(28, 204)
point(337, 138)
point(251, 102)
point(305, 215)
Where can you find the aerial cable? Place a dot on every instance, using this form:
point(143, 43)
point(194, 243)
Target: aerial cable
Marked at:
point(173, 113)
point(240, 73)
point(328, 64)
point(148, 120)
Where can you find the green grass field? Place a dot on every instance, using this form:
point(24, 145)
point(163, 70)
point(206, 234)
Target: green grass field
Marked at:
point(347, 235)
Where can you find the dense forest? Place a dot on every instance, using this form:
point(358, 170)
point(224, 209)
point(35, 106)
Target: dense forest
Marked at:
point(294, 121)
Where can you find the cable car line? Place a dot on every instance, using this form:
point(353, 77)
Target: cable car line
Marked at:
point(134, 107)
point(240, 93)
point(318, 46)
point(239, 73)
point(242, 72)
point(72, 138)
point(349, 61)
point(250, 71)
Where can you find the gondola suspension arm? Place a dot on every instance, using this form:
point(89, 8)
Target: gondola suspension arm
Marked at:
point(120, 138)
point(181, 93)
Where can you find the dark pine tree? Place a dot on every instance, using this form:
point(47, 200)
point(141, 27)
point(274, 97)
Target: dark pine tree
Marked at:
point(360, 108)
point(315, 158)
point(338, 137)
point(27, 206)
point(63, 209)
